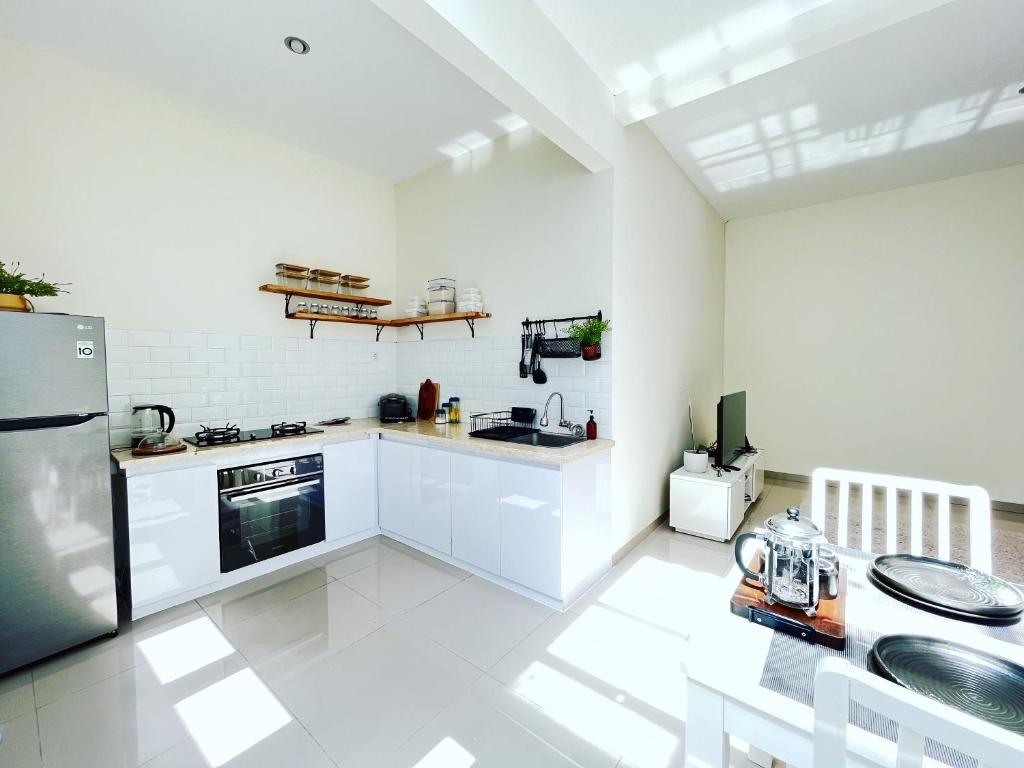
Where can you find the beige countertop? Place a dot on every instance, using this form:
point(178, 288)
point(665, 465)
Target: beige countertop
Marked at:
point(450, 436)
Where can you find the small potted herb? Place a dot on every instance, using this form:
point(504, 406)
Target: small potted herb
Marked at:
point(694, 459)
point(15, 287)
point(588, 335)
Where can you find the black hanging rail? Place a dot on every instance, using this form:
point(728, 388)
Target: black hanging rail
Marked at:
point(527, 323)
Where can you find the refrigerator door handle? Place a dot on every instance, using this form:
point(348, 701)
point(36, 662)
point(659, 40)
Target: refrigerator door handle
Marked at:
point(46, 422)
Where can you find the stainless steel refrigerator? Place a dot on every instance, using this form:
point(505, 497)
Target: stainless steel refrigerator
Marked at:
point(56, 520)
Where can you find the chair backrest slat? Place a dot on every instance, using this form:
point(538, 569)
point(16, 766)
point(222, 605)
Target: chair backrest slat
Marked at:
point(944, 523)
point(843, 511)
point(916, 522)
point(867, 523)
point(892, 506)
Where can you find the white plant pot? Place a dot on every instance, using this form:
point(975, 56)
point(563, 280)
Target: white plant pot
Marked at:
point(694, 462)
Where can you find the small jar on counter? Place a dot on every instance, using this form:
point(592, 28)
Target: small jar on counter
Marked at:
point(456, 410)
point(440, 416)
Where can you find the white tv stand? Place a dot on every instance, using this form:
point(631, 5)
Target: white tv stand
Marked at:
point(704, 504)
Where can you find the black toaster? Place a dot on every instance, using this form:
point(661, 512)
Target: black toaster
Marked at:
point(395, 409)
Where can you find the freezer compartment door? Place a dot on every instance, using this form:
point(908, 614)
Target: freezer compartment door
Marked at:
point(52, 364)
point(56, 538)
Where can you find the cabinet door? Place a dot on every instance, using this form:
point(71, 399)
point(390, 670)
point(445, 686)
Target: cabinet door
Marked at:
point(350, 487)
point(174, 534)
point(399, 487)
point(476, 517)
point(434, 515)
point(531, 527)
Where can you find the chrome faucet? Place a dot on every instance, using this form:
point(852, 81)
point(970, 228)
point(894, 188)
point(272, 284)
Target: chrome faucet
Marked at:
point(576, 429)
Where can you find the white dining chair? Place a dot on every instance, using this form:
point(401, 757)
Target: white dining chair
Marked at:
point(979, 505)
point(837, 683)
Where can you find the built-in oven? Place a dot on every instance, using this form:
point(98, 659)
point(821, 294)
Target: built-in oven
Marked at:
point(269, 509)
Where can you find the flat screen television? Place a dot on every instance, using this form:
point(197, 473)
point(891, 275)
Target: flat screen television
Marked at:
point(732, 427)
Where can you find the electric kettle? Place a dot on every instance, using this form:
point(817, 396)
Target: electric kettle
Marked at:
point(148, 419)
point(794, 560)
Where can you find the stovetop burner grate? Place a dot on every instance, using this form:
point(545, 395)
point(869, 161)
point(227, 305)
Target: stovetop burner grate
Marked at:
point(231, 434)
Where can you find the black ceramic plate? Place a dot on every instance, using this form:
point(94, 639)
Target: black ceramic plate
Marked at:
point(949, 585)
point(983, 685)
point(1000, 621)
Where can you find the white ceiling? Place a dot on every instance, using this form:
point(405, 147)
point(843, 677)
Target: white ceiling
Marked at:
point(908, 101)
point(368, 94)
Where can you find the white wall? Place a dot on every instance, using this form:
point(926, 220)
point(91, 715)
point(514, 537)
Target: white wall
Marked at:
point(531, 228)
point(518, 219)
point(164, 218)
point(667, 321)
point(884, 332)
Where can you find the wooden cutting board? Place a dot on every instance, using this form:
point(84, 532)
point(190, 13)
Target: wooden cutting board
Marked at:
point(430, 395)
point(828, 628)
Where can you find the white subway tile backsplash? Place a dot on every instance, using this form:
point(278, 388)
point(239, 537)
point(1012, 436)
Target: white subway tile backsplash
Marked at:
point(127, 354)
point(189, 369)
point(201, 355)
point(209, 413)
point(284, 343)
point(116, 338)
point(150, 370)
point(188, 339)
point(207, 384)
point(118, 370)
point(169, 354)
point(258, 380)
point(169, 386)
point(149, 339)
point(225, 369)
point(188, 400)
point(240, 355)
point(223, 340)
point(256, 342)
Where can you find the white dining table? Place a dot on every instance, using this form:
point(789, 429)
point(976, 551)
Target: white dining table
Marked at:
point(725, 660)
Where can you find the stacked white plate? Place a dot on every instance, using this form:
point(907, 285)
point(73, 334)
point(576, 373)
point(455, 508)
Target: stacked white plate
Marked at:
point(470, 300)
point(416, 307)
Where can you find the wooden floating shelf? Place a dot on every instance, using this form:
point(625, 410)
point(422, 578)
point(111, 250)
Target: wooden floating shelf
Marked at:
point(404, 321)
point(309, 293)
point(313, 318)
point(317, 317)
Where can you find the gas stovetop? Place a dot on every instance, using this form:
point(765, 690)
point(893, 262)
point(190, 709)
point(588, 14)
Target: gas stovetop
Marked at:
point(230, 434)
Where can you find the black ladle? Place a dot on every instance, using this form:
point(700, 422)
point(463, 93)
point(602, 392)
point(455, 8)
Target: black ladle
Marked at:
point(539, 377)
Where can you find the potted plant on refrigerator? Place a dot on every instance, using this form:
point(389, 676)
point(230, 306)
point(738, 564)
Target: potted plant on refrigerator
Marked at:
point(588, 334)
point(16, 287)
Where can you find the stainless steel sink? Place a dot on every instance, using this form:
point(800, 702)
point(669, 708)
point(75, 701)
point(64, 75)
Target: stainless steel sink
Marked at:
point(547, 440)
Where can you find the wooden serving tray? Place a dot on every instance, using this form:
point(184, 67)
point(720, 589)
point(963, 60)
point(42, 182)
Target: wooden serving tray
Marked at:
point(828, 628)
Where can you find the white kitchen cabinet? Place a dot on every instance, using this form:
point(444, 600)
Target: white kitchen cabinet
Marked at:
point(415, 494)
point(350, 487)
point(531, 527)
point(433, 525)
point(704, 504)
point(399, 487)
point(476, 515)
point(174, 534)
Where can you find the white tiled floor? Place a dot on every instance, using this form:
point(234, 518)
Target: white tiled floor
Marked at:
point(377, 655)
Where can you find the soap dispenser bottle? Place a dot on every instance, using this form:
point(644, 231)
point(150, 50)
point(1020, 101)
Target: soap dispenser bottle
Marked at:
point(591, 428)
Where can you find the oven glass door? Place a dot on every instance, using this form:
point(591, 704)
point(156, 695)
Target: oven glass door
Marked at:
point(261, 523)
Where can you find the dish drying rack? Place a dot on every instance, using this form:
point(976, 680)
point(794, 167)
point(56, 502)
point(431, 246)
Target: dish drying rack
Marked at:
point(499, 425)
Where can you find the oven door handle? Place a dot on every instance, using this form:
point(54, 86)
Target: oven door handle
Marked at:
point(276, 492)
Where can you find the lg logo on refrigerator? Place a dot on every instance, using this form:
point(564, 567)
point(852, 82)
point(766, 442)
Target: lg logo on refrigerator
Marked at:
point(86, 350)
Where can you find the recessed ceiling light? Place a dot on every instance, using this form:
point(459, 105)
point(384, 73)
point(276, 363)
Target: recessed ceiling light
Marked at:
point(296, 45)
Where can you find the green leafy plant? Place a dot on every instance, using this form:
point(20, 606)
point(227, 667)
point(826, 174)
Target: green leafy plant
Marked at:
point(13, 280)
point(588, 333)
